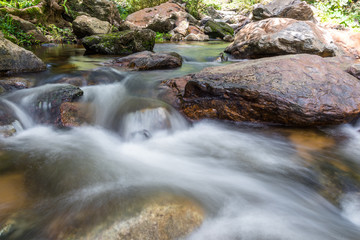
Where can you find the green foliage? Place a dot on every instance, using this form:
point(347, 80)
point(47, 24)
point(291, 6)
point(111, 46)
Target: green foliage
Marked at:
point(195, 7)
point(162, 37)
point(57, 34)
point(12, 32)
point(136, 5)
point(19, 3)
point(344, 12)
point(123, 10)
point(65, 7)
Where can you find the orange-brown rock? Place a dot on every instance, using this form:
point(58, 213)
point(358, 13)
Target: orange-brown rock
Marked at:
point(164, 11)
point(347, 40)
point(297, 90)
point(280, 36)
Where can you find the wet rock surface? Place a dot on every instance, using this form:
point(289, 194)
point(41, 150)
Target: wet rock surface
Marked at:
point(148, 61)
point(298, 90)
point(280, 36)
point(120, 43)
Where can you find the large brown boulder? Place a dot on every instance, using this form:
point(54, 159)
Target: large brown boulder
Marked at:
point(86, 26)
point(14, 59)
point(148, 61)
point(297, 90)
point(347, 40)
point(280, 36)
point(295, 9)
point(120, 43)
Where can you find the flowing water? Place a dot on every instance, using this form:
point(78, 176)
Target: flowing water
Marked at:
point(253, 181)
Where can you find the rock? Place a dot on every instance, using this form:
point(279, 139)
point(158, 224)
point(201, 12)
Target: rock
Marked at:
point(162, 25)
point(164, 219)
point(168, 10)
point(177, 37)
point(211, 11)
point(14, 59)
point(45, 108)
point(218, 29)
point(86, 26)
point(348, 41)
point(194, 30)
point(148, 61)
point(38, 37)
point(23, 24)
point(104, 10)
point(279, 36)
point(354, 70)
point(197, 37)
point(228, 38)
point(296, 90)
point(75, 114)
point(182, 28)
point(7, 114)
point(295, 9)
point(14, 83)
point(121, 43)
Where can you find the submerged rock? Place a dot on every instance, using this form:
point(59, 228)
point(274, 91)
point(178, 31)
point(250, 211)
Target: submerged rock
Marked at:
point(15, 59)
point(14, 83)
point(148, 61)
point(86, 26)
point(298, 90)
point(295, 9)
point(45, 107)
point(74, 114)
point(164, 219)
point(280, 36)
point(121, 43)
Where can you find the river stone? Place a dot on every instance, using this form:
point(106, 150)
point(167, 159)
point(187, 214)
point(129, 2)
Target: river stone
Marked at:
point(354, 70)
point(218, 29)
point(86, 26)
point(75, 114)
point(296, 90)
point(165, 219)
point(166, 11)
point(121, 43)
point(14, 83)
point(295, 9)
point(148, 61)
point(280, 36)
point(45, 108)
point(14, 59)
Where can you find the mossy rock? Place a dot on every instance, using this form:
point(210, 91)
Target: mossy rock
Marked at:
point(218, 29)
point(120, 43)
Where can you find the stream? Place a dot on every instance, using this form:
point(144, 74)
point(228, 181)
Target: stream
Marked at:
point(253, 181)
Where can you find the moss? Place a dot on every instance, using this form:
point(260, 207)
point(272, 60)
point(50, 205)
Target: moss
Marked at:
point(219, 29)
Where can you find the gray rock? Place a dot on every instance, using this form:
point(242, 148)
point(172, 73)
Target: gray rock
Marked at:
point(14, 59)
point(279, 36)
point(86, 26)
point(148, 61)
point(354, 70)
point(218, 29)
point(121, 43)
point(295, 9)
